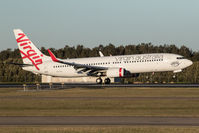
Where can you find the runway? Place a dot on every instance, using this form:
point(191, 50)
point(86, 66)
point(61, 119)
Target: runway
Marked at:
point(99, 120)
point(94, 85)
point(98, 98)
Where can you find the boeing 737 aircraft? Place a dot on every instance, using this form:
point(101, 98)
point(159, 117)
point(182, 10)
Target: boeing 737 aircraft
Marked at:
point(104, 66)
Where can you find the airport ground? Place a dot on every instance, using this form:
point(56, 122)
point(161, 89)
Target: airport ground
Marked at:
point(145, 103)
point(98, 129)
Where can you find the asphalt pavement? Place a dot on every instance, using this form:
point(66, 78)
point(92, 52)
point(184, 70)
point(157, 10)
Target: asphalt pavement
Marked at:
point(99, 120)
point(94, 85)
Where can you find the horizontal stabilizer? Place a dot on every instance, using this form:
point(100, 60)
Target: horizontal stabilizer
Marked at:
point(19, 64)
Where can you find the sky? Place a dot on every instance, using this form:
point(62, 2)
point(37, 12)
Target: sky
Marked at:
point(56, 23)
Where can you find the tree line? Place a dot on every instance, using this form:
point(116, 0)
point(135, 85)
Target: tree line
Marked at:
point(13, 73)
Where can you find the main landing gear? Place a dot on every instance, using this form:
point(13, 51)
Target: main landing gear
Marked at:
point(99, 81)
point(106, 81)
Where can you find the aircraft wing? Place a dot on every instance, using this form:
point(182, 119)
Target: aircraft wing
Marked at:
point(81, 68)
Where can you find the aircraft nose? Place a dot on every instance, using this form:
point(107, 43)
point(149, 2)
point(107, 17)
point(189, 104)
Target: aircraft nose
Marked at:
point(188, 63)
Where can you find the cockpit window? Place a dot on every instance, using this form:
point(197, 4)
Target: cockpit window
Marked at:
point(180, 58)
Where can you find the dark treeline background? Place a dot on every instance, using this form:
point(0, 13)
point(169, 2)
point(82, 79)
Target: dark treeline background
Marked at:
point(12, 73)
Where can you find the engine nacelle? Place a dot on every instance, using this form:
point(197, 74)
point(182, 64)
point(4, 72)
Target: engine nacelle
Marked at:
point(115, 72)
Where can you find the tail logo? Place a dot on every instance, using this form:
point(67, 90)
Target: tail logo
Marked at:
point(28, 52)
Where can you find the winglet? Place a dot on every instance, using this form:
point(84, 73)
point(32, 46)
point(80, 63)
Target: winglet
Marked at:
point(101, 54)
point(53, 56)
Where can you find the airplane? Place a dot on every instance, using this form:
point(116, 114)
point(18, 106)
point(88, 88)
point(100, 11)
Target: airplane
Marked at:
point(104, 66)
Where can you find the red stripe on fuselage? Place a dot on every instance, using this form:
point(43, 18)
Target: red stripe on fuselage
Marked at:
point(120, 72)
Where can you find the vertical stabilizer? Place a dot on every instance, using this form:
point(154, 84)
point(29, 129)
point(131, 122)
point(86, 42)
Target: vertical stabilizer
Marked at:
point(29, 52)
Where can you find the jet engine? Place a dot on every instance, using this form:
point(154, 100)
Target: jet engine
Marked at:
point(115, 72)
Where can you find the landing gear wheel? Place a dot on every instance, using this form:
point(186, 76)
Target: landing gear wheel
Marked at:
point(107, 81)
point(99, 81)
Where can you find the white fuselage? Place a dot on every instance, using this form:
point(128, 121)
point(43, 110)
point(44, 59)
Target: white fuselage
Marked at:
point(139, 63)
